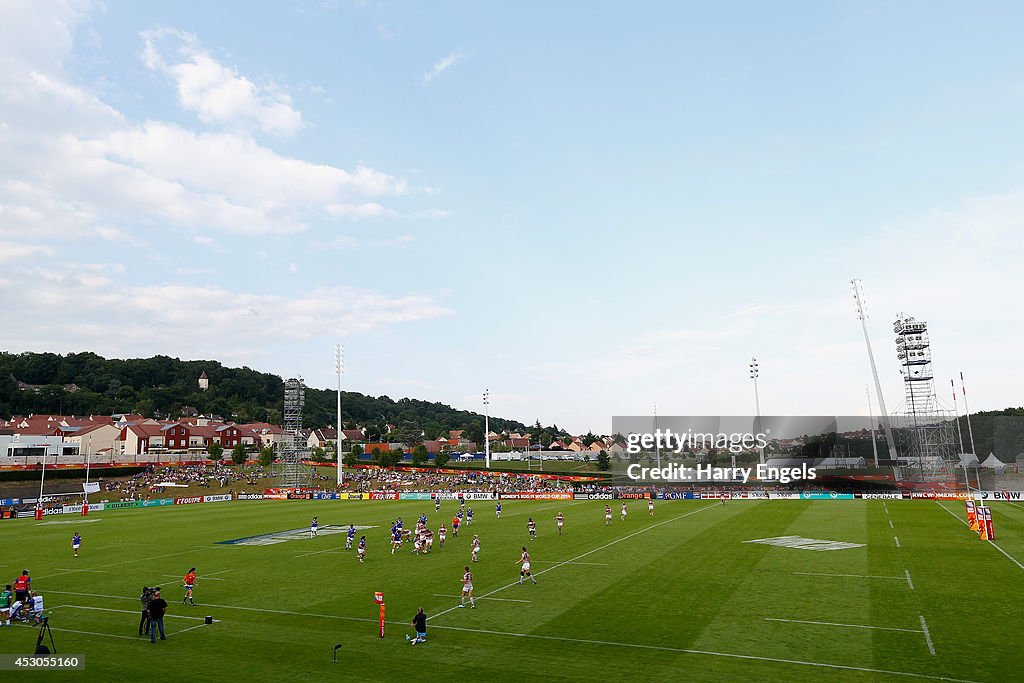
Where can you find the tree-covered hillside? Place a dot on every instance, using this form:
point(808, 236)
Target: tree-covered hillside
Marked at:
point(160, 387)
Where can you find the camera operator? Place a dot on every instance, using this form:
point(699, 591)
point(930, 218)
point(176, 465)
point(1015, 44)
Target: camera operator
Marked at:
point(157, 609)
point(145, 599)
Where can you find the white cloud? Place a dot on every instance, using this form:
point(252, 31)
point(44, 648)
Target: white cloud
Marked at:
point(218, 93)
point(440, 66)
point(14, 251)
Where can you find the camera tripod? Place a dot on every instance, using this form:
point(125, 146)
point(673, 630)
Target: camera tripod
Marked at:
point(45, 630)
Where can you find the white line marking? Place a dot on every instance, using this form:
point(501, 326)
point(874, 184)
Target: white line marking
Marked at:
point(589, 552)
point(707, 653)
point(124, 611)
point(927, 636)
point(221, 571)
point(94, 633)
point(886, 508)
point(897, 539)
point(589, 564)
point(852, 576)
point(190, 628)
point(204, 578)
point(890, 525)
point(317, 552)
point(830, 623)
point(909, 582)
point(93, 571)
point(439, 595)
point(1016, 505)
point(992, 543)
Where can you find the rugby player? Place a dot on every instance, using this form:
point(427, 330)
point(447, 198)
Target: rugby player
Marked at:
point(467, 589)
point(524, 571)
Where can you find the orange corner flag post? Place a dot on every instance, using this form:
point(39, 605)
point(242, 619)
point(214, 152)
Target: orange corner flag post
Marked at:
point(378, 598)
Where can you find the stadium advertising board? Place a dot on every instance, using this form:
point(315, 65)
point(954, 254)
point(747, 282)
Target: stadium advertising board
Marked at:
point(191, 500)
point(538, 495)
point(157, 502)
point(9, 501)
point(276, 496)
point(76, 509)
point(783, 495)
point(632, 496)
point(326, 495)
point(478, 495)
point(218, 498)
point(926, 495)
point(592, 496)
point(414, 495)
point(124, 505)
point(299, 496)
point(825, 495)
point(251, 496)
point(383, 495)
point(894, 495)
point(998, 495)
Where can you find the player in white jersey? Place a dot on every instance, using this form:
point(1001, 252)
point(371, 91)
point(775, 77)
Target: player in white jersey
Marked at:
point(475, 549)
point(428, 540)
point(623, 512)
point(531, 526)
point(361, 550)
point(607, 515)
point(442, 533)
point(559, 520)
point(417, 544)
point(650, 507)
point(467, 589)
point(524, 571)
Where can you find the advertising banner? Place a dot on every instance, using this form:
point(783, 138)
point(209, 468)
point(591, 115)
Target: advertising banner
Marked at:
point(299, 496)
point(251, 496)
point(383, 495)
point(479, 495)
point(219, 498)
point(538, 495)
point(326, 495)
point(999, 495)
point(414, 495)
point(353, 496)
point(123, 505)
point(158, 502)
point(783, 495)
point(825, 495)
point(188, 501)
point(633, 496)
point(892, 495)
point(276, 496)
point(9, 501)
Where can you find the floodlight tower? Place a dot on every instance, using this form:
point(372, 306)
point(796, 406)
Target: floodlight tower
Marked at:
point(487, 429)
point(339, 366)
point(862, 315)
point(757, 402)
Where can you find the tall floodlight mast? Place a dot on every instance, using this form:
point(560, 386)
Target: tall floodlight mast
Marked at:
point(339, 367)
point(862, 315)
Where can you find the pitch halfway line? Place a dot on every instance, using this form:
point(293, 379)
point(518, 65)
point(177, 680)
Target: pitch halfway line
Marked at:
point(830, 623)
point(125, 611)
point(992, 543)
point(589, 552)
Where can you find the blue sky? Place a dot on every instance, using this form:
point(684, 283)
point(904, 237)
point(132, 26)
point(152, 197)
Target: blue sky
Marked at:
point(586, 207)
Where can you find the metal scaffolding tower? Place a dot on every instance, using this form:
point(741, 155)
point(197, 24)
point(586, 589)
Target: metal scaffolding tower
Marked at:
point(292, 449)
point(927, 433)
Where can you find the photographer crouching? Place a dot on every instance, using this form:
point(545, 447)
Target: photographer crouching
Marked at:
point(146, 598)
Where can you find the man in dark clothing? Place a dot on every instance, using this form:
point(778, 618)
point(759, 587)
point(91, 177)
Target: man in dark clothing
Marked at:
point(419, 622)
point(157, 609)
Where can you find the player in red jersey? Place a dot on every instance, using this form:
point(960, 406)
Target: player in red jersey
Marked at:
point(188, 582)
point(455, 526)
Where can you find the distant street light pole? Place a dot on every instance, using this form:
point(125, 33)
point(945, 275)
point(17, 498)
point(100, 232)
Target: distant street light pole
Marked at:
point(487, 429)
point(88, 454)
point(338, 366)
point(757, 404)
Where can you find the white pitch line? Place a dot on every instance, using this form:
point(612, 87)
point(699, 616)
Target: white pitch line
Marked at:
point(897, 539)
point(123, 611)
point(590, 564)
point(93, 633)
point(589, 552)
point(94, 571)
point(707, 653)
point(204, 578)
point(890, 525)
point(927, 636)
point(317, 552)
point(439, 595)
point(909, 582)
point(851, 576)
point(992, 543)
point(190, 628)
point(220, 571)
point(831, 623)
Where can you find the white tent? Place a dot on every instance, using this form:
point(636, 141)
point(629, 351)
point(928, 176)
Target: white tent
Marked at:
point(992, 462)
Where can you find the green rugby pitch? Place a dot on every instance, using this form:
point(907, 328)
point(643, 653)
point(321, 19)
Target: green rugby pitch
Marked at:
point(676, 596)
